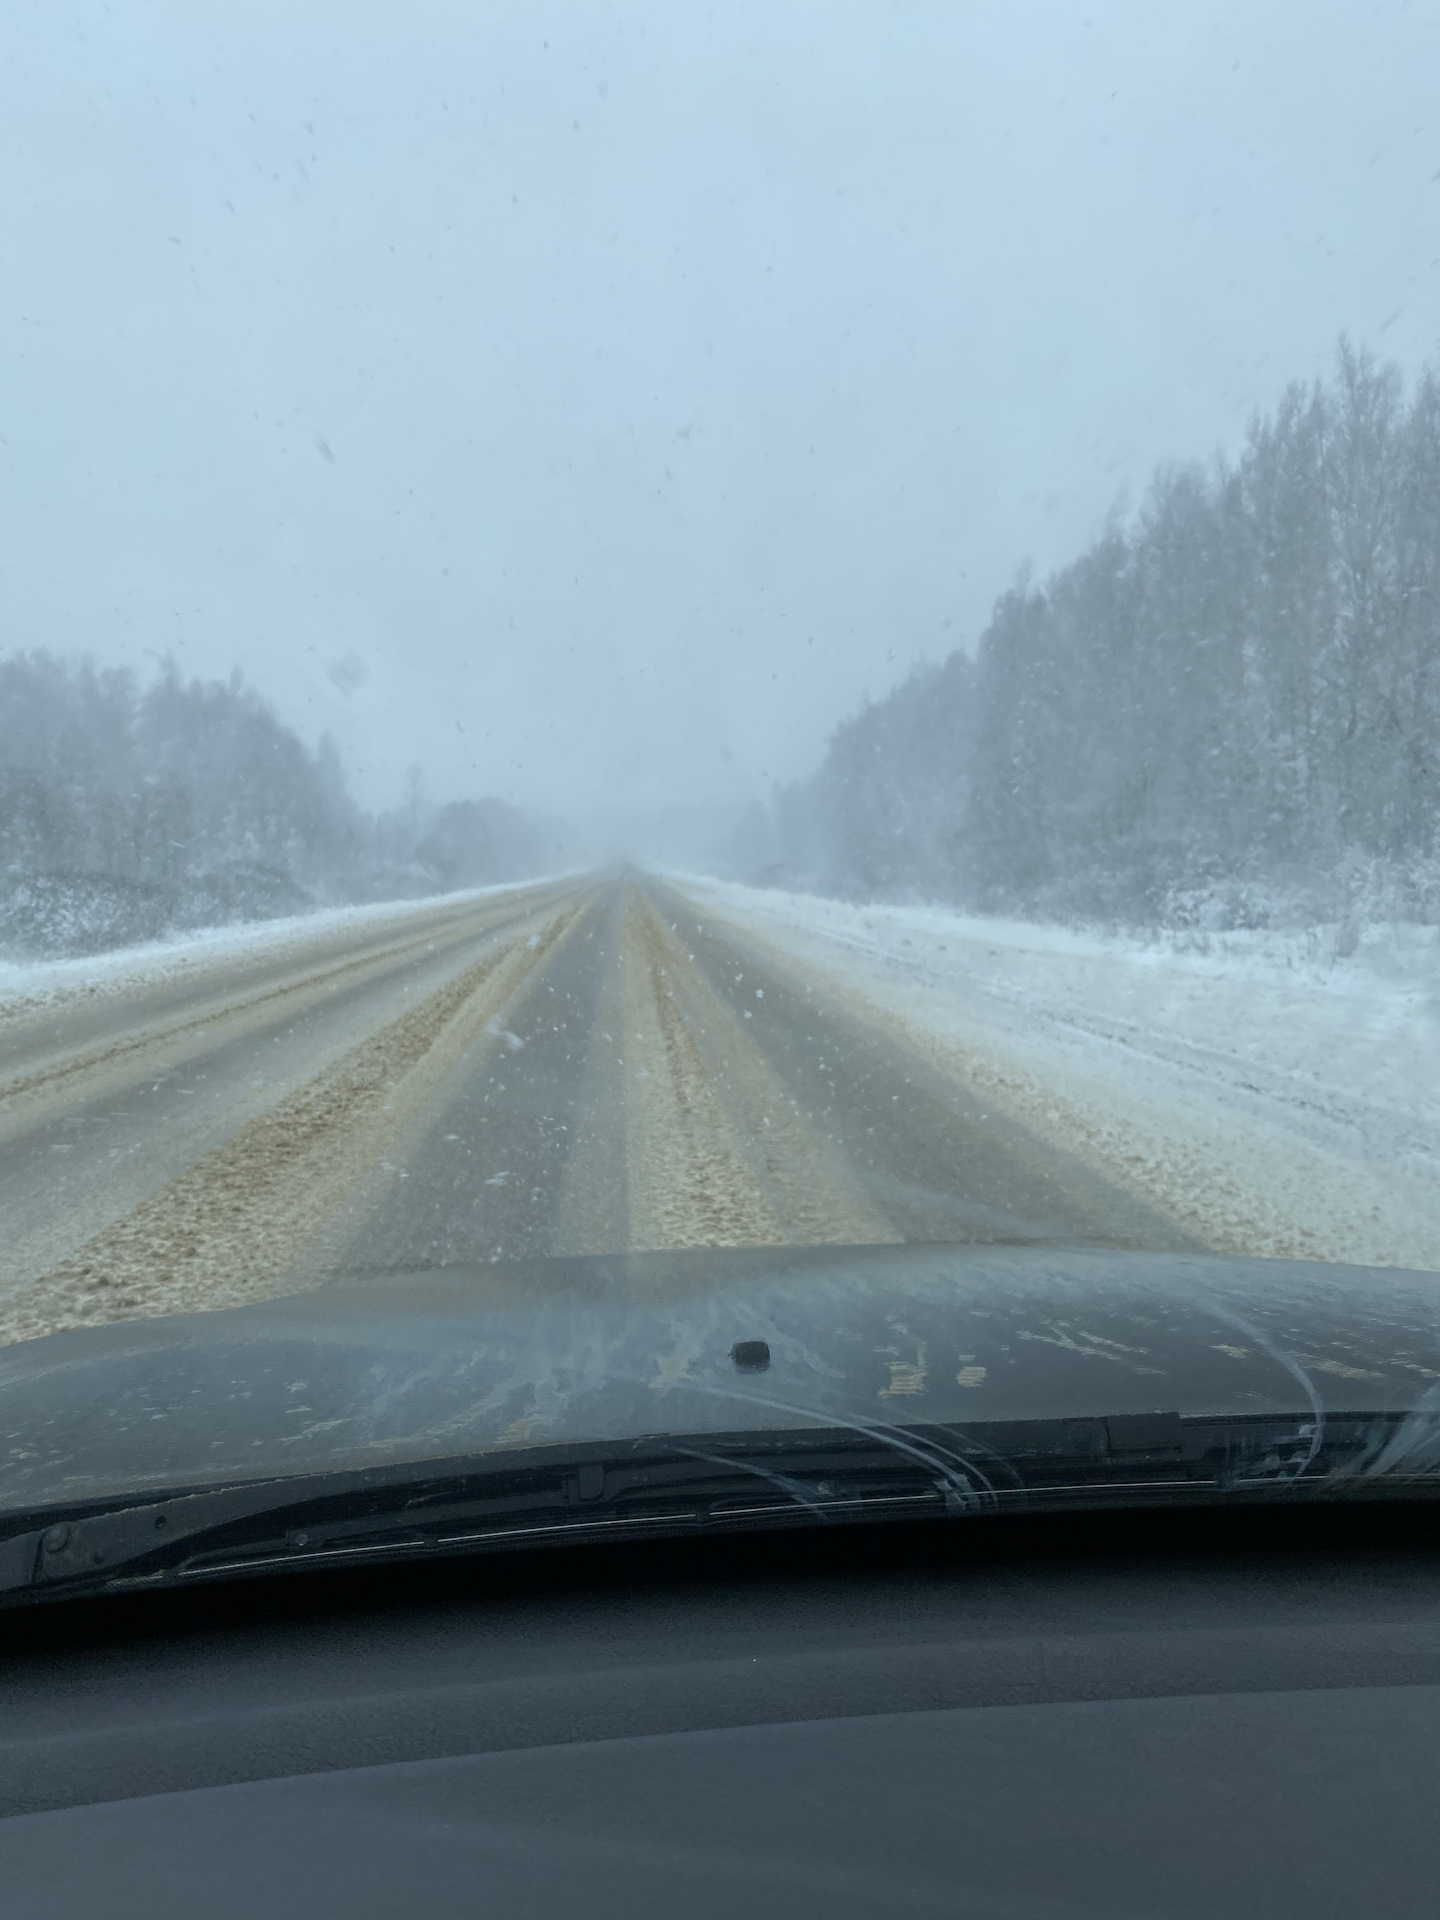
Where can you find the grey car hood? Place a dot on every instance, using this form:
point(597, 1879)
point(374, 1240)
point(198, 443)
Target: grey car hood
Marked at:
point(465, 1361)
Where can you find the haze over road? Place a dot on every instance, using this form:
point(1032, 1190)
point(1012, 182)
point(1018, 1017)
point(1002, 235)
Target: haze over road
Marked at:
point(581, 1066)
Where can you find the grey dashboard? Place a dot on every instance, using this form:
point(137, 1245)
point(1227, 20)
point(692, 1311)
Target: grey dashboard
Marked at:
point(1132, 1715)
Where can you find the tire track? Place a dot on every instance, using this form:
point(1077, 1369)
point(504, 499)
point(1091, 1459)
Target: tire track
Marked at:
point(227, 1230)
point(55, 1080)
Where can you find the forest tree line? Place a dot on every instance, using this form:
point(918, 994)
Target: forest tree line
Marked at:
point(131, 811)
point(1224, 713)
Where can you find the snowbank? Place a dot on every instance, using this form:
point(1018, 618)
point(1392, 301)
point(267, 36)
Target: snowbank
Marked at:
point(1271, 1096)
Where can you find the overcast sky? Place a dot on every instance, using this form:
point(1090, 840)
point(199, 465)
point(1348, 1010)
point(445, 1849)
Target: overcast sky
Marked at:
point(592, 402)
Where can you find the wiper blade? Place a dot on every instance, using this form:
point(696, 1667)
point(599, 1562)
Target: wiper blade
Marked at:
point(542, 1497)
point(667, 1485)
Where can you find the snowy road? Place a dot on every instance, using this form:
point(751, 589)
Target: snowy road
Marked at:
point(584, 1066)
point(580, 1066)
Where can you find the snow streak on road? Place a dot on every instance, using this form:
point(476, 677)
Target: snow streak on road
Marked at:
point(575, 1067)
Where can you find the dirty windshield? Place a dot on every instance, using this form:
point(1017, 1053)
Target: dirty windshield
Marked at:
point(766, 635)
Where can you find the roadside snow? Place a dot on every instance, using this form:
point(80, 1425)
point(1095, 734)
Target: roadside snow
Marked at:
point(1271, 1097)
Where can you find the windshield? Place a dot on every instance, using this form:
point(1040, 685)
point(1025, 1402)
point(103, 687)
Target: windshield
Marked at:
point(730, 642)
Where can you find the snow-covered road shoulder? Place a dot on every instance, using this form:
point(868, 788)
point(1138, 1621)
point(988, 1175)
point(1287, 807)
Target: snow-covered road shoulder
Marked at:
point(1272, 1098)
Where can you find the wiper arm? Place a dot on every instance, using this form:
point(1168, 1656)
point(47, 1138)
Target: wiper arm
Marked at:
point(676, 1485)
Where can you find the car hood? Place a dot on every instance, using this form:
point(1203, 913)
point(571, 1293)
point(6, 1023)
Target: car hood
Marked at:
point(474, 1360)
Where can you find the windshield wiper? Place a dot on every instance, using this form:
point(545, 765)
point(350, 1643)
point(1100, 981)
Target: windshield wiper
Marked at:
point(668, 1485)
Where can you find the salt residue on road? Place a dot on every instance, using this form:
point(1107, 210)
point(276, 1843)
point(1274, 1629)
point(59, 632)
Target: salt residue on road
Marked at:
point(1272, 1097)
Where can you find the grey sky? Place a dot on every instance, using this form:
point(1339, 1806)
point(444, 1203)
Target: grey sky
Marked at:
point(592, 402)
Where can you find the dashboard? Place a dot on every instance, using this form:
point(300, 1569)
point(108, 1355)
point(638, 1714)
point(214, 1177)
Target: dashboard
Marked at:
point(1148, 1715)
